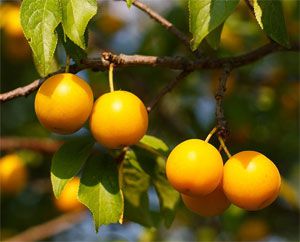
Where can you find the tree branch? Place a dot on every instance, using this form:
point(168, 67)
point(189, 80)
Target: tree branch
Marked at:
point(163, 22)
point(167, 89)
point(176, 63)
point(50, 228)
point(222, 128)
point(47, 146)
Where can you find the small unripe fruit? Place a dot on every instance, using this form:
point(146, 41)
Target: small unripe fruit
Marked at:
point(118, 119)
point(251, 181)
point(63, 103)
point(194, 167)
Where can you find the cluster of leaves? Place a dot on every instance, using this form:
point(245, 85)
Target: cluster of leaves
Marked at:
point(44, 22)
point(117, 185)
point(41, 21)
point(208, 17)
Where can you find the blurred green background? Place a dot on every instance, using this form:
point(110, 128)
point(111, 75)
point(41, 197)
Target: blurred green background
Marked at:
point(261, 107)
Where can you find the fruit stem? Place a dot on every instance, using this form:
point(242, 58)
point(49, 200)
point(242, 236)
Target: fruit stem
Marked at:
point(224, 146)
point(67, 64)
point(110, 77)
point(211, 134)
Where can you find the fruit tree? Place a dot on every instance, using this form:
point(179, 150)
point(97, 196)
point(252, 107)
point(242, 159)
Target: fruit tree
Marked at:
point(149, 120)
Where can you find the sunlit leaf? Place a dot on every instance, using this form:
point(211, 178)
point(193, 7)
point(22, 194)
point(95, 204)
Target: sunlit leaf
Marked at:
point(76, 15)
point(154, 143)
point(99, 190)
point(206, 15)
point(39, 20)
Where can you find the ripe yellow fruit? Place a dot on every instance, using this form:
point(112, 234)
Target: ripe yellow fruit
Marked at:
point(68, 198)
point(15, 46)
point(118, 119)
point(63, 103)
point(251, 181)
point(13, 174)
point(10, 20)
point(212, 204)
point(194, 167)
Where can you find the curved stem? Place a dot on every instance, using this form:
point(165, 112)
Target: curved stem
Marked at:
point(110, 77)
point(67, 64)
point(224, 146)
point(214, 130)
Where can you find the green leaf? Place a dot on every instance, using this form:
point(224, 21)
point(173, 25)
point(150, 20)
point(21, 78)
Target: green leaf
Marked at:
point(39, 20)
point(99, 190)
point(168, 197)
point(76, 15)
point(72, 50)
point(131, 158)
point(154, 143)
point(206, 15)
point(214, 37)
point(135, 188)
point(129, 3)
point(67, 162)
point(269, 15)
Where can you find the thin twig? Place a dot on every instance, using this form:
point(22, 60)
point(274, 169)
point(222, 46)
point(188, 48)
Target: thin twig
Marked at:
point(68, 60)
point(163, 22)
point(41, 145)
point(111, 77)
point(221, 122)
point(20, 91)
point(224, 147)
point(176, 63)
point(211, 133)
point(50, 228)
point(167, 89)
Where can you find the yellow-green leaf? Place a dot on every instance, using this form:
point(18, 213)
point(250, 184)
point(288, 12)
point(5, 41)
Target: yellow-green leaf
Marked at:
point(100, 191)
point(39, 19)
point(206, 15)
point(76, 15)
